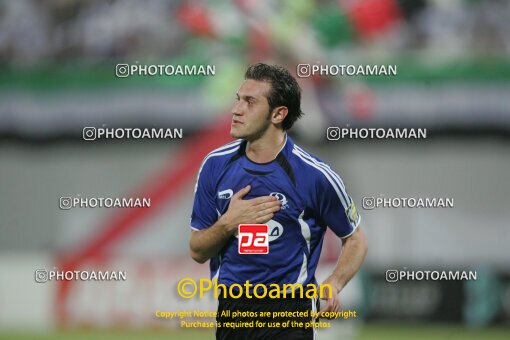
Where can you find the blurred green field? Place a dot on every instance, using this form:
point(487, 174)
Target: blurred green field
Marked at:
point(365, 332)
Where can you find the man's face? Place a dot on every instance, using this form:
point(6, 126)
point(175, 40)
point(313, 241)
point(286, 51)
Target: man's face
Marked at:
point(251, 114)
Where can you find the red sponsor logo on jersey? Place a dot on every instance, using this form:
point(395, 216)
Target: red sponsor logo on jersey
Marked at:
point(253, 239)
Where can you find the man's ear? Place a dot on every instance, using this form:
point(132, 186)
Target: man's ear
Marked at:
point(278, 115)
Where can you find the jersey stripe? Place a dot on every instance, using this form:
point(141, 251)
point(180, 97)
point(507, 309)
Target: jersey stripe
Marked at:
point(329, 170)
point(305, 230)
point(333, 183)
point(217, 274)
point(322, 164)
point(235, 146)
point(226, 146)
point(303, 274)
point(314, 310)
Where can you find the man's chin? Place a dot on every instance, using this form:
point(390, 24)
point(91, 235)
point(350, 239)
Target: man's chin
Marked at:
point(235, 134)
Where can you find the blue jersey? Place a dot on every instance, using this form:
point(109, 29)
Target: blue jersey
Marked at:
point(313, 198)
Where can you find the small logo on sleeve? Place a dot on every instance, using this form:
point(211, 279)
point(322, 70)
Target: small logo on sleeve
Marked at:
point(352, 214)
point(253, 239)
point(225, 194)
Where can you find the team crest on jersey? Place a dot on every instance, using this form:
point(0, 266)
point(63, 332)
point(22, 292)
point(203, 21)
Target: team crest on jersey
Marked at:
point(352, 213)
point(275, 230)
point(225, 194)
point(281, 197)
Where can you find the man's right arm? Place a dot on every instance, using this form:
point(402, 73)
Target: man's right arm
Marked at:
point(208, 242)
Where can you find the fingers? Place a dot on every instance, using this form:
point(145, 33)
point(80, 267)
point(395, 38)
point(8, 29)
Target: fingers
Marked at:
point(336, 305)
point(257, 215)
point(332, 305)
point(254, 201)
point(327, 306)
point(265, 218)
point(241, 193)
point(255, 210)
point(270, 210)
point(265, 211)
point(268, 205)
point(263, 199)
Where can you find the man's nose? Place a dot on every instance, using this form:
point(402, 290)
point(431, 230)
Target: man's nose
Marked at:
point(236, 109)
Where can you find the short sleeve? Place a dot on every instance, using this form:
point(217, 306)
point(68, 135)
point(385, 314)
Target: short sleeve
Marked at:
point(204, 212)
point(333, 205)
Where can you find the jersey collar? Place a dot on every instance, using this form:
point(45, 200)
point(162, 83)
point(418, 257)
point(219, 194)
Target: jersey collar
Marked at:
point(285, 151)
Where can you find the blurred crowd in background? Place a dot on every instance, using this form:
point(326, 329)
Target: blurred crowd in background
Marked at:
point(33, 31)
point(453, 51)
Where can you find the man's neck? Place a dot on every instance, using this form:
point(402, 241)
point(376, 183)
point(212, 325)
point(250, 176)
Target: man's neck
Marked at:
point(266, 148)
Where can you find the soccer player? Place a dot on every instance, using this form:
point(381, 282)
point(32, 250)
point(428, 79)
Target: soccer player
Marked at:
point(264, 178)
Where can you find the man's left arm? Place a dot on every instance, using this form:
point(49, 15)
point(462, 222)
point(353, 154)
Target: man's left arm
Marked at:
point(351, 258)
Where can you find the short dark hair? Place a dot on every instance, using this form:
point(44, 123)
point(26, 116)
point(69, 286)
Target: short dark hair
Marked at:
point(285, 90)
